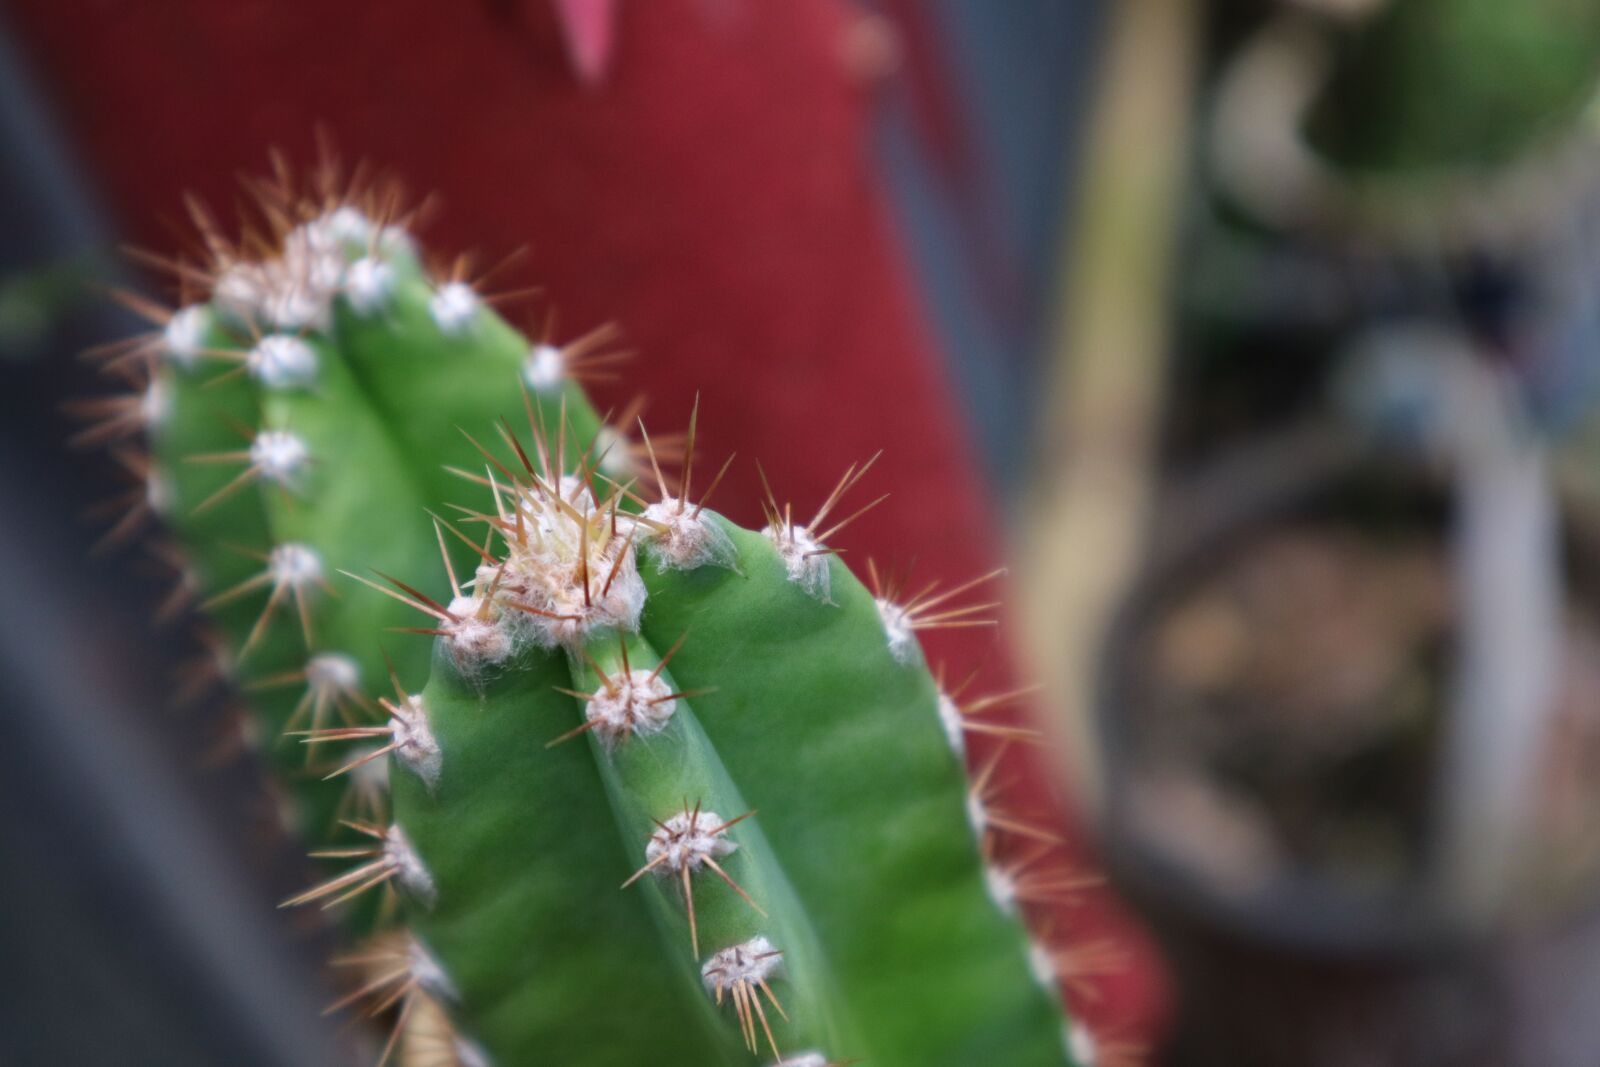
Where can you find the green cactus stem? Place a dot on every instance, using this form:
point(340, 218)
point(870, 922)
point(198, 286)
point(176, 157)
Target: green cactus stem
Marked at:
point(661, 789)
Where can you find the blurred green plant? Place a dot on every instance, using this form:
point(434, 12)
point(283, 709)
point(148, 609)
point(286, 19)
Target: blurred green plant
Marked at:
point(1426, 84)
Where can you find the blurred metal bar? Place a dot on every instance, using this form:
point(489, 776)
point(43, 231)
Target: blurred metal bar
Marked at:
point(1508, 573)
point(983, 241)
point(1087, 499)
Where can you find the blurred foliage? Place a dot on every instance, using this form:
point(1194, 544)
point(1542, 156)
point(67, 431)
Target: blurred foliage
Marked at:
point(1429, 83)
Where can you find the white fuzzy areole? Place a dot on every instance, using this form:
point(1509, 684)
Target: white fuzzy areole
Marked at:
point(294, 307)
point(476, 642)
point(396, 241)
point(429, 973)
point(282, 361)
point(280, 456)
point(294, 565)
point(544, 369)
point(618, 609)
point(977, 814)
point(483, 576)
point(368, 285)
point(688, 542)
point(454, 308)
point(1042, 965)
point(803, 1059)
point(612, 447)
point(1001, 886)
point(294, 289)
point(751, 962)
point(313, 263)
point(416, 749)
point(347, 225)
point(804, 559)
point(686, 841)
point(575, 490)
point(333, 673)
point(333, 677)
point(155, 403)
point(1080, 1043)
point(954, 725)
point(897, 628)
point(185, 335)
point(413, 877)
point(240, 290)
point(637, 706)
point(158, 493)
point(554, 526)
point(547, 575)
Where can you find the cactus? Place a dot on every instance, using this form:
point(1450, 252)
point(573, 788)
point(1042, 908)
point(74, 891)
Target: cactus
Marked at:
point(660, 788)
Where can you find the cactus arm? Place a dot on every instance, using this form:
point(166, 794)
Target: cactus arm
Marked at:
point(204, 412)
point(894, 883)
point(552, 963)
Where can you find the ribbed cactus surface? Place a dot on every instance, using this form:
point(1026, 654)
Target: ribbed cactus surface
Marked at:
point(665, 790)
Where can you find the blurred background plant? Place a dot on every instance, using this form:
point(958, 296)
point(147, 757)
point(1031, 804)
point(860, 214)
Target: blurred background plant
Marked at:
point(1344, 712)
point(1258, 334)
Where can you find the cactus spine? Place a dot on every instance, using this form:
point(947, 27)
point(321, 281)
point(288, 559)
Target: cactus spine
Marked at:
point(666, 790)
